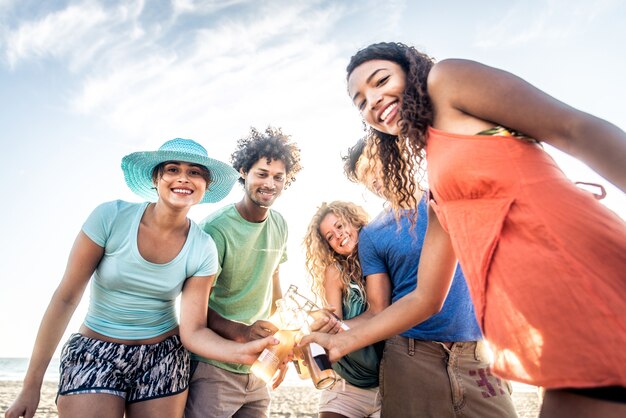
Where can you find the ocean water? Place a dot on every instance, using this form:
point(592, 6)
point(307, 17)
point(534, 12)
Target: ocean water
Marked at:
point(15, 369)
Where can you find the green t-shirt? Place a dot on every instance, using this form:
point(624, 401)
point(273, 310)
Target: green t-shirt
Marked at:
point(248, 253)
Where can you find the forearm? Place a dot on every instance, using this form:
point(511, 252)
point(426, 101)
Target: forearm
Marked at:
point(226, 328)
point(360, 319)
point(398, 317)
point(602, 146)
point(208, 344)
point(51, 329)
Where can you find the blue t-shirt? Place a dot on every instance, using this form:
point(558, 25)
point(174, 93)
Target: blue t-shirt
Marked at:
point(385, 249)
point(132, 298)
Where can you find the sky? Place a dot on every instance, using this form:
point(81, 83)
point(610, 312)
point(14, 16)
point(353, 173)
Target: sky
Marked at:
point(85, 82)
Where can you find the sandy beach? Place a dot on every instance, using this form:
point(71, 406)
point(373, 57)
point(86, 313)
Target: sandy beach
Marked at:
point(287, 402)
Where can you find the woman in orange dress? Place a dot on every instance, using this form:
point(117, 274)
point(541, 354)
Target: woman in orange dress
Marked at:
point(544, 261)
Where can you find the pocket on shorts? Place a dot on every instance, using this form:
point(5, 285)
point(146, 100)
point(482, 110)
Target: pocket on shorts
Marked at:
point(482, 352)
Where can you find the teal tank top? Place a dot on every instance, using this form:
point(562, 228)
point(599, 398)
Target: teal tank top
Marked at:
point(359, 368)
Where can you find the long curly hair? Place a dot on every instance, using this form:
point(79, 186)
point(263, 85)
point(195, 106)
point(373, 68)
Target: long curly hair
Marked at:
point(271, 144)
point(319, 254)
point(403, 156)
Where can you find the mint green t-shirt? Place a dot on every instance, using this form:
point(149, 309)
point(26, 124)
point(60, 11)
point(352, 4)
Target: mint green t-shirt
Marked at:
point(132, 298)
point(248, 255)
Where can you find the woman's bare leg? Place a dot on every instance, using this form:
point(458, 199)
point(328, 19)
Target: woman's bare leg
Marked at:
point(90, 405)
point(166, 407)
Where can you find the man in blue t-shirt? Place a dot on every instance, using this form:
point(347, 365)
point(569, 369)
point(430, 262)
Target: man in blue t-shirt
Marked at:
point(440, 367)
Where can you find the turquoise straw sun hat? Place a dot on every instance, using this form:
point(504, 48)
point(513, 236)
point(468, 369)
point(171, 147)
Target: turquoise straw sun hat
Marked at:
point(138, 168)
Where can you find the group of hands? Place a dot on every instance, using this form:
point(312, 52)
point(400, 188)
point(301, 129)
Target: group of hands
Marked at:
point(325, 321)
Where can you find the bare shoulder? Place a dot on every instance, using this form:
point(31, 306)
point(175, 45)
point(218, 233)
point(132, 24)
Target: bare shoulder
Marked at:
point(454, 69)
point(454, 86)
point(459, 76)
point(468, 95)
point(332, 275)
point(332, 281)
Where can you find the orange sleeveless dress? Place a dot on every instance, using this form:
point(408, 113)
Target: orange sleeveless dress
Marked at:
point(544, 261)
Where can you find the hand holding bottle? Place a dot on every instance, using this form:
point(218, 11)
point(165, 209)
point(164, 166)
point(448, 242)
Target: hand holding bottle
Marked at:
point(325, 320)
point(261, 329)
point(336, 345)
point(288, 321)
point(317, 363)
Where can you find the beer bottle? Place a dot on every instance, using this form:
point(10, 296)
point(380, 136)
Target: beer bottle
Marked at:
point(300, 365)
point(320, 369)
point(307, 305)
point(322, 374)
point(288, 322)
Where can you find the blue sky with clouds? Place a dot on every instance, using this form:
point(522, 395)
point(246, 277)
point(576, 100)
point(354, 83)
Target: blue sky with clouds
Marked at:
point(84, 82)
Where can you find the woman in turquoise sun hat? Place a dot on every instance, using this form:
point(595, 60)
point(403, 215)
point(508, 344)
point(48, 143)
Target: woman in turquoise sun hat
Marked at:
point(129, 356)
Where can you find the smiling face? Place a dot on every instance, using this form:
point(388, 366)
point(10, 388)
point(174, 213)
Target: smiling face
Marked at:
point(376, 88)
point(181, 184)
point(264, 182)
point(341, 235)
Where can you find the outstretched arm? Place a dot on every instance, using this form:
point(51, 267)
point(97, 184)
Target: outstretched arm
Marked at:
point(82, 262)
point(460, 89)
point(199, 339)
point(437, 264)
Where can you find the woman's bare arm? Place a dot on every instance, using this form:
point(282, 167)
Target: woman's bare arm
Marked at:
point(462, 89)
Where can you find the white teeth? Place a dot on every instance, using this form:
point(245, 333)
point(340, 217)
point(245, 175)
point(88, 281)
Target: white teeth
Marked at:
point(345, 241)
point(388, 111)
point(184, 191)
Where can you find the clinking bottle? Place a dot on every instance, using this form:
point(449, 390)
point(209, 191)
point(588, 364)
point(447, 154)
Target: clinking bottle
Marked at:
point(294, 297)
point(318, 365)
point(288, 322)
point(300, 365)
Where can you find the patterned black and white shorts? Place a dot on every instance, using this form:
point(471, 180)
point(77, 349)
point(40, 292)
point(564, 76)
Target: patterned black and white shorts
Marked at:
point(134, 372)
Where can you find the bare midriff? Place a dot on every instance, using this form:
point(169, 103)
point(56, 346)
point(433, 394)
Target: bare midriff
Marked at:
point(89, 333)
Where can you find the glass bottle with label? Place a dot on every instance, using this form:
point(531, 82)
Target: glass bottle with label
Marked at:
point(289, 322)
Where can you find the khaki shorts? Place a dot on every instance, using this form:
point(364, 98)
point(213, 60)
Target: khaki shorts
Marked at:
point(350, 401)
point(218, 393)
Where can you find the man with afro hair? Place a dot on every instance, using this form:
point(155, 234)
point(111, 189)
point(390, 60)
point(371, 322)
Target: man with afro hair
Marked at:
point(251, 241)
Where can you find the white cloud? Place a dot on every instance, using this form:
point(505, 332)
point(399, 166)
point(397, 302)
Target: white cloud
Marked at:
point(259, 66)
point(77, 34)
point(203, 6)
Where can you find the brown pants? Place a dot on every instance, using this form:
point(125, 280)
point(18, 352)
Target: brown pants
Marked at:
point(218, 393)
point(431, 379)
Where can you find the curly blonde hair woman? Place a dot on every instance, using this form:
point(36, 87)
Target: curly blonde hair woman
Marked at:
point(332, 261)
point(322, 258)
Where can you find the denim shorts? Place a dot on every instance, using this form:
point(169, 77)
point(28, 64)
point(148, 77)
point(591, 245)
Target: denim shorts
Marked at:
point(133, 372)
